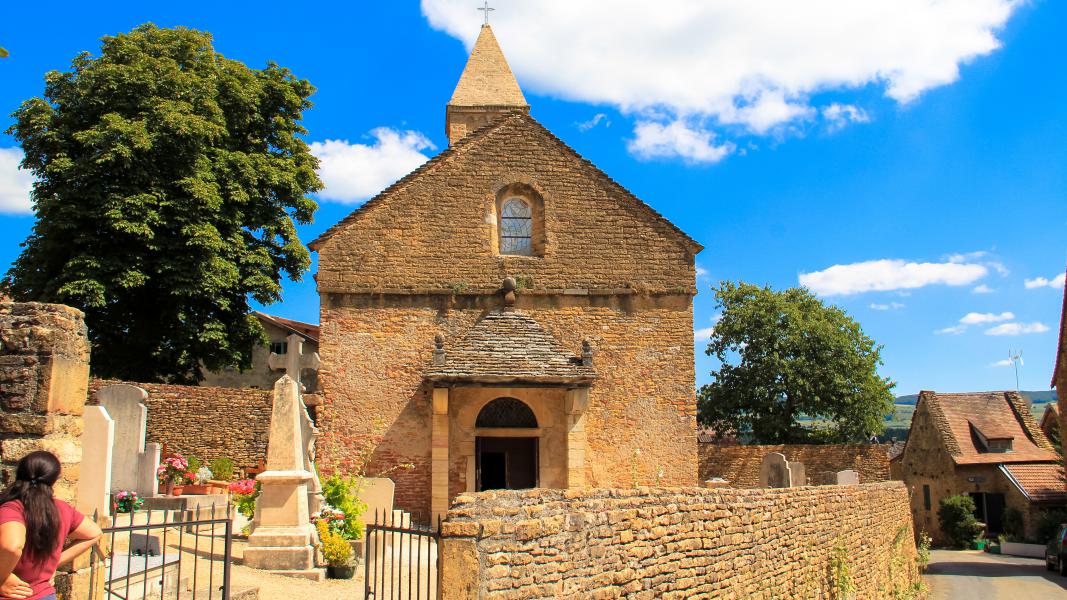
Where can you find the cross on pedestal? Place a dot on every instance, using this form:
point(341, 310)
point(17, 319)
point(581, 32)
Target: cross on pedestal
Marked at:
point(294, 361)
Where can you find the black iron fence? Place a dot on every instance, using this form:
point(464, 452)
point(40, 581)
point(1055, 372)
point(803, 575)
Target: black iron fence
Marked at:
point(400, 558)
point(167, 554)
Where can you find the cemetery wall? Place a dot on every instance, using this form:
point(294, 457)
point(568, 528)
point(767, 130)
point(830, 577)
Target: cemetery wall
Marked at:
point(740, 465)
point(206, 422)
point(681, 543)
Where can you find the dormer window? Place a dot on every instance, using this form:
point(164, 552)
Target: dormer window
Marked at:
point(994, 441)
point(516, 227)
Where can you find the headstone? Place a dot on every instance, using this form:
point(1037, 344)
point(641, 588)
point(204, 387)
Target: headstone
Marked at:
point(281, 539)
point(774, 471)
point(377, 494)
point(797, 474)
point(848, 477)
point(94, 481)
point(125, 404)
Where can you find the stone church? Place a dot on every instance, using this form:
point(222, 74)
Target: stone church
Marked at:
point(506, 316)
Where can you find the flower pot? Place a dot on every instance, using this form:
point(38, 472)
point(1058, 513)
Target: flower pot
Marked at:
point(176, 490)
point(340, 572)
point(196, 489)
point(168, 488)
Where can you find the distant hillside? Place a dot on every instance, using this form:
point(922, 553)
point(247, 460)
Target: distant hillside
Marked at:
point(1042, 397)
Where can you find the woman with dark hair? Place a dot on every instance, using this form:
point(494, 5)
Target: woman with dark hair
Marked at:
point(33, 527)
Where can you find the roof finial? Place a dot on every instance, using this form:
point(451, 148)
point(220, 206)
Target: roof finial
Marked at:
point(487, 10)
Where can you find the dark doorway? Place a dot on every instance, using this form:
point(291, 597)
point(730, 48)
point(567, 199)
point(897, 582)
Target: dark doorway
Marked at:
point(506, 463)
point(989, 509)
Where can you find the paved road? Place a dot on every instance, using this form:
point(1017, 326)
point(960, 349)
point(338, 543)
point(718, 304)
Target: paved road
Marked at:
point(971, 575)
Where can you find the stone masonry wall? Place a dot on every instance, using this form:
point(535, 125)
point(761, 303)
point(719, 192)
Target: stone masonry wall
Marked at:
point(680, 543)
point(374, 357)
point(740, 465)
point(206, 422)
point(44, 370)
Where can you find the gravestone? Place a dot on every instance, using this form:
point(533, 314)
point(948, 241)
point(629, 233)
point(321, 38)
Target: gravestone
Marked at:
point(774, 471)
point(847, 477)
point(94, 481)
point(294, 362)
point(377, 494)
point(133, 464)
point(281, 538)
point(797, 474)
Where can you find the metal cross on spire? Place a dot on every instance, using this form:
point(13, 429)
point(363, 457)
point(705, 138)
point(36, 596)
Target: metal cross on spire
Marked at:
point(487, 10)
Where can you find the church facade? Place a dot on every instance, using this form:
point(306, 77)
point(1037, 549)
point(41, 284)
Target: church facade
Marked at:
point(506, 316)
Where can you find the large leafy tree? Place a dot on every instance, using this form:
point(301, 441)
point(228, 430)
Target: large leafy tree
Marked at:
point(792, 369)
point(168, 181)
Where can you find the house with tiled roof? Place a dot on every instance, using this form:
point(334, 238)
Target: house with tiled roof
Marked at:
point(1059, 372)
point(1050, 425)
point(986, 445)
point(506, 316)
point(279, 331)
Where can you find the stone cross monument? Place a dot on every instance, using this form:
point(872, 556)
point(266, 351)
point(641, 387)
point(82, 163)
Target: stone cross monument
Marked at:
point(294, 361)
point(281, 539)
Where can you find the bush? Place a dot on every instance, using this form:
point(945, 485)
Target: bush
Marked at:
point(222, 468)
point(1014, 528)
point(956, 517)
point(335, 549)
point(340, 493)
point(194, 464)
point(243, 494)
point(1048, 523)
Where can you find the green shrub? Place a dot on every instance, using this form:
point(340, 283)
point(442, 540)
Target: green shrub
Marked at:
point(222, 468)
point(1047, 524)
point(1014, 528)
point(922, 551)
point(956, 517)
point(341, 493)
point(194, 464)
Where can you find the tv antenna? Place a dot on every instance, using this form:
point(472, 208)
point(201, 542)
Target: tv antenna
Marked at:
point(1016, 358)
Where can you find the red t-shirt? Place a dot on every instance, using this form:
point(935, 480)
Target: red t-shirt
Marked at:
point(37, 574)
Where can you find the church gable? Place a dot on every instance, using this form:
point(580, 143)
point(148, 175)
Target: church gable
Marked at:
point(508, 200)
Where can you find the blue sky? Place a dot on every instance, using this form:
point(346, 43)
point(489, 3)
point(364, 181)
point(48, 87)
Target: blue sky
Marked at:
point(907, 159)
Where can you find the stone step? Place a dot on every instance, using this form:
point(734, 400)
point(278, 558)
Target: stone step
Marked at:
point(280, 558)
point(310, 574)
point(265, 537)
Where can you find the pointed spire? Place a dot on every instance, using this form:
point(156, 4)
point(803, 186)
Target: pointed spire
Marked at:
point(487, 79)
point(486, 91)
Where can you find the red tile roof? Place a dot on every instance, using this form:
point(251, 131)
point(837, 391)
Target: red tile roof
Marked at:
point(307, 330)
point(996, 415)
point(1039, 482)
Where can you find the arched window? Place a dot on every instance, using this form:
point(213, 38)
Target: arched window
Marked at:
point(506, 412)
point(516, 227)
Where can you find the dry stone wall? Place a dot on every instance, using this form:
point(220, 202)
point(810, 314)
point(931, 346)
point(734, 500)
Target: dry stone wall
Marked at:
point(681, 543)
point(206, 422)
point(740, 465)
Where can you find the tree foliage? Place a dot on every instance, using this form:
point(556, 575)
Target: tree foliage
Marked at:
point(168, 181)
point(955, 515)
point(785, 356)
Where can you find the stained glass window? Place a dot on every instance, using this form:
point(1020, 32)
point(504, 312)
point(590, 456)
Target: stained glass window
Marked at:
point(516, 227)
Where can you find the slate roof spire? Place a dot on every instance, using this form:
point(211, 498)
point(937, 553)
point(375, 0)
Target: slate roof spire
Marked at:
point(486, 90)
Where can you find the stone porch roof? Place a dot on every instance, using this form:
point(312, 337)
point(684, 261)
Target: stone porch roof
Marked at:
point(508, 346)
point(1041, 482)
point(996, 415)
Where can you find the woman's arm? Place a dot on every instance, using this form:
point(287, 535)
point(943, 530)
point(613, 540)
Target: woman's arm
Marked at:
point(85, 535)
point(12, 541)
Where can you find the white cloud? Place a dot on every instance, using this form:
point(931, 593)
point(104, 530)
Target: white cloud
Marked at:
point(890, 306)
point(954, 330)
point(1017, 329)
point(676, 140)
point(703, 334)
point(839, 115)
point(15, 184)
point(593, 122)
point(701, 271)
point(982, 289)
point(753, 65)
point(1038, 282)
point(887, 275)
point(974, 318)
point(354, 172)
point(1006, 362)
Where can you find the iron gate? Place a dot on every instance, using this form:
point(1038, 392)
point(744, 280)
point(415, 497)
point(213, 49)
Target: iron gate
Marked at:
point(167, 554)
point(400, 559)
